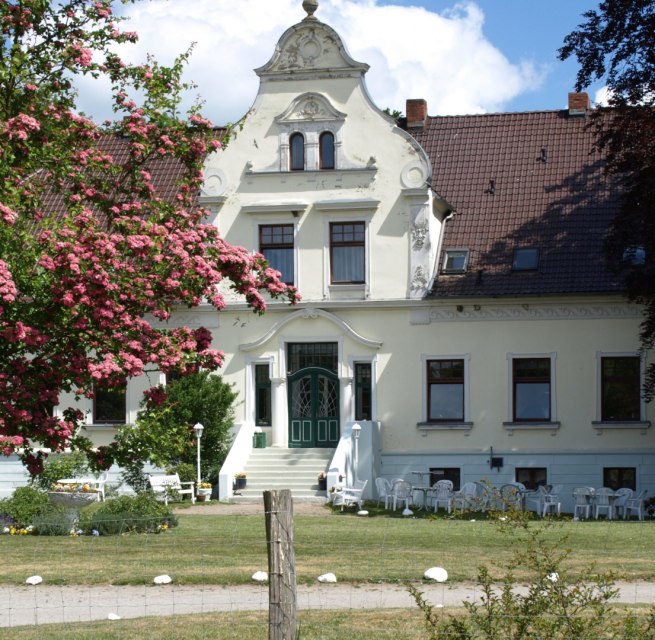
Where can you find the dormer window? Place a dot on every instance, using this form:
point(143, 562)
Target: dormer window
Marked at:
point(635, 256)
point(326, 150)
point(297, 152)
point(455, 260)
point(525, 259)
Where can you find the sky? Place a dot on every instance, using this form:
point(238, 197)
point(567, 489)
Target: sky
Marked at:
point(462, 57)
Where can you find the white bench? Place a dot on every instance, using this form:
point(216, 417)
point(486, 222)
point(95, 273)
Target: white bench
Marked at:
point(167, 486)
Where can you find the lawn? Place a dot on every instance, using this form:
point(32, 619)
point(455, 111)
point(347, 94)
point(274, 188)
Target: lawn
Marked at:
point(215, 549)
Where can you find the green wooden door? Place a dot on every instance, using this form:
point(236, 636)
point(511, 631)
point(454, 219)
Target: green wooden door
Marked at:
point(313, 408)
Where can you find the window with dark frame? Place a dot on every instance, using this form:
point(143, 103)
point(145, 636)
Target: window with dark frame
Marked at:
point(301, 355)
point(347, 252)
point(531, 477)
point(450, 473)
point(445, 393)
point(109, 405)
point(326, 151)
point(531, 389)
point(620, 388)
point(276, 245)
point(297, 152)
point(620, 478)
point(262, 396)
point(362, 391)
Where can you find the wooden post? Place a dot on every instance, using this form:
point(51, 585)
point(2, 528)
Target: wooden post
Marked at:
point(278, 508)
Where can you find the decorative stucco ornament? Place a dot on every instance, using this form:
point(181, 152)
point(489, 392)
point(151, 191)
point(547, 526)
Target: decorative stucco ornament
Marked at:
point(419, 236)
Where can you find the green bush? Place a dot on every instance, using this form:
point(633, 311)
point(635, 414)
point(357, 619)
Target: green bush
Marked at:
point(54, 521)
point(24, 505)
point(61, 465)
point(186, 471)
point(136, 514)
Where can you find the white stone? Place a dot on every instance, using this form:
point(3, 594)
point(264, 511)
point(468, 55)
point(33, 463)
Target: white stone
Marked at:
point(438, 574)
point(362, 513)
point(327, 577)
point(113, 616)
point(34, 580)
point(260, 576)
point(553, 577)
point(163, 579)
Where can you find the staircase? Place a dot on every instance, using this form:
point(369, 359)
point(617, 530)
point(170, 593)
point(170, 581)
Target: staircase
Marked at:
point(294, 469)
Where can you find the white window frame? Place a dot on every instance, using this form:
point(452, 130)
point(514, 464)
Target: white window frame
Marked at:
point(250, 400)
point(371, 360)
point(553, 423)
point(455, 424)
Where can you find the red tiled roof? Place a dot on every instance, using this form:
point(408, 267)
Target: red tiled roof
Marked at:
point(561, 205)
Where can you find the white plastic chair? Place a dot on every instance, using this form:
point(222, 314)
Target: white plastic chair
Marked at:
point(534, 500)
point(622, 496)
point(602, 502)
point(511, 496)
point(582, 497)
point(442, 494)
point(466, 497)
point(636, 505)
point(551, 501)
point(383, 487)
point(101, 481)
point(401, 491)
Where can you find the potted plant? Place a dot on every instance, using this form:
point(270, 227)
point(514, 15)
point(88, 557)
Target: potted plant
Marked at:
point(240, 481)
point(204, 491)
point(322, 481)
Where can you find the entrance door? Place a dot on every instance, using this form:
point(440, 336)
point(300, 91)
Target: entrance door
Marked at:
point(313, 408)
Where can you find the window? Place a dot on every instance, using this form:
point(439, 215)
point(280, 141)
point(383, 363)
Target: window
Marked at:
point(452, 474)
point(525, 259)
point(262, 396)
point(363, 391)
point(454, 261)
point(620, 478)
point(301, 355)
point(532, 478)
point(326, 149)
point(347, 252)
point(276, 245)
point(531, 389)
point(445, 392)
point(297, 151)
point(620, 388)
point(109, 405)
point(635, 256)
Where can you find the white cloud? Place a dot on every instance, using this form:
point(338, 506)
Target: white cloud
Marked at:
point(413, 53)
point(601, 97)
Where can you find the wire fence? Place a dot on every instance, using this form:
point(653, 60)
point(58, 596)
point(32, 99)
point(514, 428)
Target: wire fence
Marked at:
point(209, 565)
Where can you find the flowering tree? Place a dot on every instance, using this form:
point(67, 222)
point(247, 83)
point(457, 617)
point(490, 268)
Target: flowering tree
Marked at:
point(94, 251)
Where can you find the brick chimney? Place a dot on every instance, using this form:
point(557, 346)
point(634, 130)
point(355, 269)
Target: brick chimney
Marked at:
point(416, 111)
point(579, 104)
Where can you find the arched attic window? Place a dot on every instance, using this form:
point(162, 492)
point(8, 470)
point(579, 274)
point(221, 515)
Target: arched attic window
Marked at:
point(297, 149)
point(326, 146)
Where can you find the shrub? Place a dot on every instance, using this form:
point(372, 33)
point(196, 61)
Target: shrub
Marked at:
point(556, 604)
point(54, 521)
point(61, 465)
point(186, 471)
point(24, 505)
point(137, 514)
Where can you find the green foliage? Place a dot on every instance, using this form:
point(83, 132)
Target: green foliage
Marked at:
point(54, 521)
point(62, 465)
point(136, 514)
point(556, 604)
point(25, 505)
point(187, 472)
point(163, 433)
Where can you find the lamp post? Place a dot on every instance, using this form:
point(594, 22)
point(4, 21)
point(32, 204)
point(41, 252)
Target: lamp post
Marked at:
point(356, 431)
point(198, 428)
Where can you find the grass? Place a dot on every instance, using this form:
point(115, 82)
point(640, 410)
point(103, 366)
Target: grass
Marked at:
point(208, 549)
point(389, 624)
